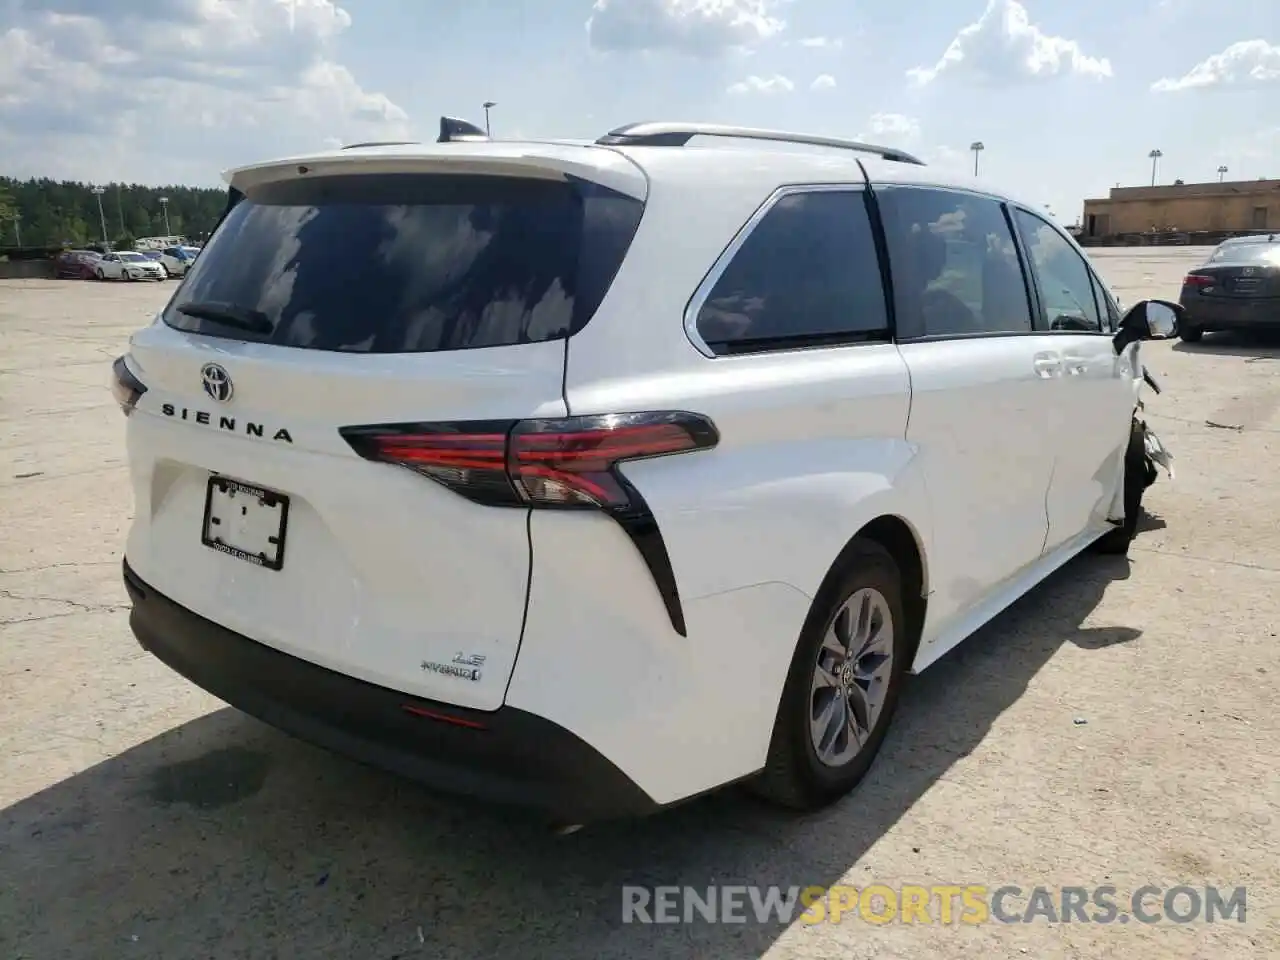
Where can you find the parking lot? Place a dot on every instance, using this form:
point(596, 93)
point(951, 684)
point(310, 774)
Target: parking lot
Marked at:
point(1117, 726)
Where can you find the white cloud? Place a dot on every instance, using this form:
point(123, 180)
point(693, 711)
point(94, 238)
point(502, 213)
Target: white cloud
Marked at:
point(949, 159)
point(1246, 62)
point(775, 84)
point(697, 27)
point(895, 126)
point(823, 81)
point(822, 43)
point(1003, 44)
point(176, 89)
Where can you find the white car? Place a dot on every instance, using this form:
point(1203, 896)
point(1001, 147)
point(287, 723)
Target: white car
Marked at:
point(127, 265)
point(177, 260)
point(595, 477)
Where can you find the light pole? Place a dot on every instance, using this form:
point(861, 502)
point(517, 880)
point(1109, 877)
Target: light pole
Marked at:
point(98, 192)
point(17, 226)
point(977, 147)
point(1155, 156)
point(1222, 172)
point(164, 205)
point(488, 105)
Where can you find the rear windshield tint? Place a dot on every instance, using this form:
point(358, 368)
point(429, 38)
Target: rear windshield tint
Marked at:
point(411, 263)
point(1246, 253)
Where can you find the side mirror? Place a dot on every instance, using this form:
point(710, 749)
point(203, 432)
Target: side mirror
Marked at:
point(1148, 320)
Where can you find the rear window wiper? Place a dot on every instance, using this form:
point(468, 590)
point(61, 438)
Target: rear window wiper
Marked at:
point(230, 314)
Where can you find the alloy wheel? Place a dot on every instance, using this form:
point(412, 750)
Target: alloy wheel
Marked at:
point(851, 677)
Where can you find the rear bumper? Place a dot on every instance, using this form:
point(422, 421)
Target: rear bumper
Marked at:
point(507, 756)
point(1239, 314)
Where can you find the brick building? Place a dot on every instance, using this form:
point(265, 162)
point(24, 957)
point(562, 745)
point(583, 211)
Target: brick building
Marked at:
point(1239, 206)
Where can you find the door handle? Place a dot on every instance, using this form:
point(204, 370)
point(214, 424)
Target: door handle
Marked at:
point(1076, 366)
point(1047, 365)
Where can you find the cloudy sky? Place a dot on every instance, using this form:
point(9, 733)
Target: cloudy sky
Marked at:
point(1069, 96)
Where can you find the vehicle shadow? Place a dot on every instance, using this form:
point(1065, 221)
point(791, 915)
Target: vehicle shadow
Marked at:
point(224, 838)
point(1255, 345)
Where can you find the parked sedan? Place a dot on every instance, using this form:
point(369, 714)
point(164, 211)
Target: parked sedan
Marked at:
point(177, 260)
point(76, 264)
point(128, 266)
point(1237, 288)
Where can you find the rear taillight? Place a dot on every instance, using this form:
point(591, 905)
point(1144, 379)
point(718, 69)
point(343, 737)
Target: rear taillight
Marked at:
point(469, 458)
point(564, 463)
point(1197, 280)
point(572, 462)
point(568, 462)
point(125, 387)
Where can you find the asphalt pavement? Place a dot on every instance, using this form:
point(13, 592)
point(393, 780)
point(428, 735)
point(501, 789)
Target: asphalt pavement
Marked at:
point(1116, 726)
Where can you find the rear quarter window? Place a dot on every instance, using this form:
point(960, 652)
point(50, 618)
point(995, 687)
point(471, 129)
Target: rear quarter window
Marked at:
point(807, 275)
point(411, 263)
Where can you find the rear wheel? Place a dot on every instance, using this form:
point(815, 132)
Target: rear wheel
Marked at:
point(99, 274)
point(843, 685)
point(1191, 334)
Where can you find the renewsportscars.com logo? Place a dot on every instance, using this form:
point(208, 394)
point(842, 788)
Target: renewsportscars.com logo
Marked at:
point(943, 904)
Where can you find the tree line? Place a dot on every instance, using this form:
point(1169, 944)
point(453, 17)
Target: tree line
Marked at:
point(49, 213)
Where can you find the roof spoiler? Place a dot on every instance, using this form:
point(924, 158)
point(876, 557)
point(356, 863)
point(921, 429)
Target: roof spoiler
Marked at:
point(455, 130)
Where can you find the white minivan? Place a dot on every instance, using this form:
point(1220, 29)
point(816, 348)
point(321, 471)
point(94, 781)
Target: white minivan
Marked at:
point(591, 477)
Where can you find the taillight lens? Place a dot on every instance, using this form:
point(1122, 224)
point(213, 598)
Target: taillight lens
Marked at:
point(468, 457)
point(1197, 280)
point(570, 462)
point(125, 387)
point(567, 462)
point(564, 463)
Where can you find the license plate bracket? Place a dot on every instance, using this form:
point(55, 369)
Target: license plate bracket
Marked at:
point(245, 522)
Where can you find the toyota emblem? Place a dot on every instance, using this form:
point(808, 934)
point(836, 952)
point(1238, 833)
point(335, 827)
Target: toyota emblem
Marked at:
point(217, 382)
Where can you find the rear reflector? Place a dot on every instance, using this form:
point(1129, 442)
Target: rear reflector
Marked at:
point(125, 387)
point(442, 717)
point(564, 463)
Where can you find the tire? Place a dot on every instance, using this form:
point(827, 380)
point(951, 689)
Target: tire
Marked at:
point(1138, 475)
point(795, 773)
point(99, 274)
point(1191, 334)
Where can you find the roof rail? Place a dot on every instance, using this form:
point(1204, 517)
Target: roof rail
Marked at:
point(379, 143)
point(453, 130)
point(679, 134)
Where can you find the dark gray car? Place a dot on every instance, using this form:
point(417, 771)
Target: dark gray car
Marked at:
point(1237, 288)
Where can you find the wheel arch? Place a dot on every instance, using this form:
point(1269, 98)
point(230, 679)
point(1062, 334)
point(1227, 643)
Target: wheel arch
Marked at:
point(903, 542)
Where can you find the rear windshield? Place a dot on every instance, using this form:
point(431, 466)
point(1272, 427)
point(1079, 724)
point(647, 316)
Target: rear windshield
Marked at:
point(1242, 253)
point(404, 263)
